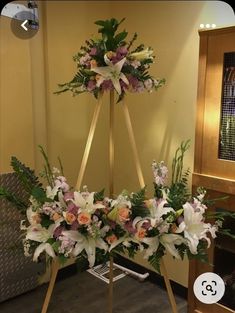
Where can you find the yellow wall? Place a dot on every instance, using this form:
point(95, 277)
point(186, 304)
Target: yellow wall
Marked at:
point(30, 114)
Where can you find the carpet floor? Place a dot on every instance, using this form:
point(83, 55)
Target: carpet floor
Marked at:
point(84, 293)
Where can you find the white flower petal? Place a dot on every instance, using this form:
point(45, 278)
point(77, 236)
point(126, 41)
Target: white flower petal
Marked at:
point(116, 243)
point(43, 247)
point(90, 251)
point(73, 235)
point(123, 78)
point(78, 248)
point(118, 66)
point(101, 244)
point(116, 85)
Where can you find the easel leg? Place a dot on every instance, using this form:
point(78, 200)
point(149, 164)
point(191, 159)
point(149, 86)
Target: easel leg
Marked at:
point(168, 288)
point(142, 184)
point(111, 190)
point(111, 145)
point(88, 144)
point(133, 145)
point(110, 305)
point(54, 270)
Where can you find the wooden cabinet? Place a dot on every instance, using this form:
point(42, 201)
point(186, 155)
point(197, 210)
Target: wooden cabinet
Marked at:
point(214, 164)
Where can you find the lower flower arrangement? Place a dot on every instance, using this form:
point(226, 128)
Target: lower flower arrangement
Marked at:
point(67, 223)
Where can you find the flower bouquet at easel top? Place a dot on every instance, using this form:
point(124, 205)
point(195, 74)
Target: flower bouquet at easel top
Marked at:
point(110, 63)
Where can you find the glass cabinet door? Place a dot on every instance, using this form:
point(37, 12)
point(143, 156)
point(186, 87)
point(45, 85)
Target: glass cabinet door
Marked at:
point(227, 116)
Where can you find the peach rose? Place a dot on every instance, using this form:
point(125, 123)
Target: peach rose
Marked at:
point(123, 214)
point(110, 239)
point(69, 217)
point(56, 216)
point(141, 233)
point(84, 218)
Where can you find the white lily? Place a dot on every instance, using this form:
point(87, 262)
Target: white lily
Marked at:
point(32, 216)
point(121, 202)
point(157, 210)
point(143, 54)
point(194, 227)
point(152, 242)
point(112, 72)
point(51, 192)
point(86, 204)
point(88, 243)
point(169, 241)
point(118, 241)
point(41, 234)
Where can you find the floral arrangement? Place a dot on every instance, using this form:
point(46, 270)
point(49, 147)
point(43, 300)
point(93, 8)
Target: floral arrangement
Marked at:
point(110, 63)
point(87, 225)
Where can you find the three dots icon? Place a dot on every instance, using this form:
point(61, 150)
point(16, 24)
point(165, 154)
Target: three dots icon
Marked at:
point(207, 26)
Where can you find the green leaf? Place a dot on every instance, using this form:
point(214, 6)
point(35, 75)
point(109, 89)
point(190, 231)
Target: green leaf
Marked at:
point(55, 246)
point(40, 195)
point(100, 22)
point(47, 167)
point(155, 259)
point(139, 211)
point(112, 215)
point(120, 37)
point(99, 196)
point(137, 198)
point(62, 259)
point(25, 174)
point(46, 222)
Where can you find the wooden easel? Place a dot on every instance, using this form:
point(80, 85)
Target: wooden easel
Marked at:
point(55, 264)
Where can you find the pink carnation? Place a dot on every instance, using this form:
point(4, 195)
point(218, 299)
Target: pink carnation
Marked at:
point(93, 51)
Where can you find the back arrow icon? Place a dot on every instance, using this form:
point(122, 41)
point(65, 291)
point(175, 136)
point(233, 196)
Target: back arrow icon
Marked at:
point(23, 25)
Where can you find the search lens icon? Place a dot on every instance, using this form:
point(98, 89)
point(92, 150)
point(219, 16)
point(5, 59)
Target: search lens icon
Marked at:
point(209, 288)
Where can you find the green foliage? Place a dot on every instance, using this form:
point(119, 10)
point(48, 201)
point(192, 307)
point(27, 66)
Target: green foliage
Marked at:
point(132, 41)
point(40, 195)
point(182, 249)
point(47, 168)
point(141, 211)
point(108, 30)
point(178, 192)
point(27, 176)
point(46, 221)
point(155, 259)
point(132, 250)
point(99, 196)
point(28, 180)
point(137, 198)
point(62, 259)
point(201, 252)
point(178, 162)
point(226, 232)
